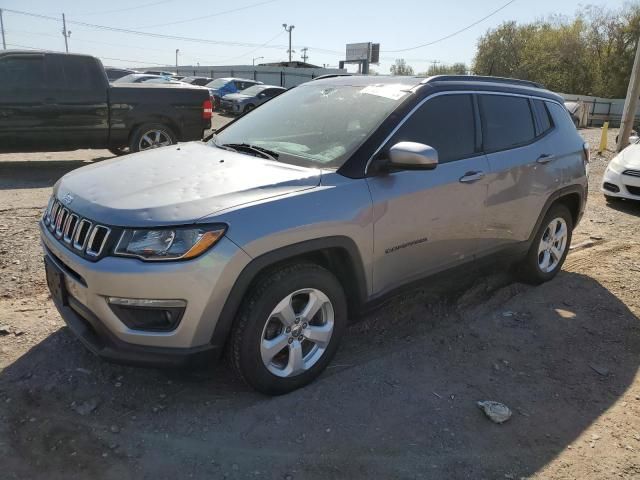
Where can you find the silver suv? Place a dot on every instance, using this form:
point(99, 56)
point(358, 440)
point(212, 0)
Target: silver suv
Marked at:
point(262, 242)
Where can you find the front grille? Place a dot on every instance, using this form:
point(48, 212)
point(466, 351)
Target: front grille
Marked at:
point(633, 190)
point(78, 234)
point(632, 173)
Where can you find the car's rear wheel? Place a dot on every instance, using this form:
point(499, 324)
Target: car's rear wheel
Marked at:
point(150, 136)
point(249, 107)
point(550, 246)
point(288, 328)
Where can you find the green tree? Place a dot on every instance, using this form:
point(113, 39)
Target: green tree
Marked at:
point(455, 69)
point(401, 68)
point(589, 54)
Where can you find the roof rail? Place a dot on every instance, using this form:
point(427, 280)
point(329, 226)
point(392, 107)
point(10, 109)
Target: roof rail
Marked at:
point(481, 78)
point(332, 75)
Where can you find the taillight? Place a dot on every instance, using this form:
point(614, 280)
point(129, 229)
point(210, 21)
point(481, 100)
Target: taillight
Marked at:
point(207, 109)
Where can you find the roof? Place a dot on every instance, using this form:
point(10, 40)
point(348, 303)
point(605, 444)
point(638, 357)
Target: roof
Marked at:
point(457, 82)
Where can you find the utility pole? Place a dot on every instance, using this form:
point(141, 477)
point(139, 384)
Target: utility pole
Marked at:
point(630, 103)
point(304, 54)
point(434, 64)
point(4, 43)
point(253, 61)
point(289, 29)
point(66, 34)
point(177, 51)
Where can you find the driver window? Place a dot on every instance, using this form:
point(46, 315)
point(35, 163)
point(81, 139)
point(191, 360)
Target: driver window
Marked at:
point(446, 123)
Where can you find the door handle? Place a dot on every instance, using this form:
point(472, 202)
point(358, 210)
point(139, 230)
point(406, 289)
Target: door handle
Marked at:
point(471, 177)
point(545, 158)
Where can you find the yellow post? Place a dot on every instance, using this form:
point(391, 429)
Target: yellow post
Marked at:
point(603, 139)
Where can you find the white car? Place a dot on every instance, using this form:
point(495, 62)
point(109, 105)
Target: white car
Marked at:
point(622, 176)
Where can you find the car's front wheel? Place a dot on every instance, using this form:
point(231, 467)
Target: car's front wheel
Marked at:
point(288, 328)
point(550, 246)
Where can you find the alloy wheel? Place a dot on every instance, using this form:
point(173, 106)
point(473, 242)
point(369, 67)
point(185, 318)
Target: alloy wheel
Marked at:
point(154, 139)
point(553, 244)
point(297, 332)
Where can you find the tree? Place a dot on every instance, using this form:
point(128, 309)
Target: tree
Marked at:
point(455, 69)
point(589, 54)
point(401, 68)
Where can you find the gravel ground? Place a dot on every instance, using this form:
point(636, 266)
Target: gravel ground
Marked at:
point(398, 401)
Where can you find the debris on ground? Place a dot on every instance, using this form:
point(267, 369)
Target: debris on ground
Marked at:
point(496, 411)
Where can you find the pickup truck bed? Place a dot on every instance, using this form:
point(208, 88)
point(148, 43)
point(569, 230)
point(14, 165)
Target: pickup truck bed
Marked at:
point(51, 101)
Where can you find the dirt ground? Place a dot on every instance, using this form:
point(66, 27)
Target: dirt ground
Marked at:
point(398, 401)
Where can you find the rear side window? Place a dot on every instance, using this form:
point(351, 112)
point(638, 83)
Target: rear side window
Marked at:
point(445, 123)
point(21, 72)
point(506, 121)
point(68, 72)
point(544, 119)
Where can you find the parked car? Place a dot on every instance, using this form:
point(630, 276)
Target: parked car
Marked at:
point(249, 98)
point(139, 78)
point(223, 86)
point(291, 220)
point(622, 177)
point(202, 81)
point(51, 101)
point(116, 73)
point(167, 81)
point(162, 73)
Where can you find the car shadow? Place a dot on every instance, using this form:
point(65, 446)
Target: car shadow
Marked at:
point(630, 207)
point(398, 400)
point(37, 173)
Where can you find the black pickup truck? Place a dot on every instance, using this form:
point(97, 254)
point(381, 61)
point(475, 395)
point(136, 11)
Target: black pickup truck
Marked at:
point(54, 101)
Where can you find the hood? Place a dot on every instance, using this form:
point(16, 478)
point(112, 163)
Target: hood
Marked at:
point(629, 157)
point(236, 97)
point(177, 185)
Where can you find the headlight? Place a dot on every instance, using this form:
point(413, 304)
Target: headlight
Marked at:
point(180, 243)
point(615, 164)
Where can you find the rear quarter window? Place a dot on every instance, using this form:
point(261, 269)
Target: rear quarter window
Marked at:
point(506, 122)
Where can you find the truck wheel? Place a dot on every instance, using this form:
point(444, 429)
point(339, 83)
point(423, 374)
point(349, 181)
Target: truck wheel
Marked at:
point(249, 107)
point(288, 328)
point(151, 135)
point(550, 246)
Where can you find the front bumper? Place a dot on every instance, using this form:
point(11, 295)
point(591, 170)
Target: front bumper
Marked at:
point(204, 283)
point(616, 184)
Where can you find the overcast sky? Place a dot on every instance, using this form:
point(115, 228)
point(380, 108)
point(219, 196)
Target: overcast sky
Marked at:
point(324, 27)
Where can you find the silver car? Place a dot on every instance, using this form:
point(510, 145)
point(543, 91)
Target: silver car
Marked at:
point(264, 241)
point(249, 98)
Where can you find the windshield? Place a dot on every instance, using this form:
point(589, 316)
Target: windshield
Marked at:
point(252, 91)
point(217, 83)
point(315, 125)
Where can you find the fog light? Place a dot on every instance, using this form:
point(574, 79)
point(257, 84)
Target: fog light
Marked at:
point(611, 187)
point(148, 314)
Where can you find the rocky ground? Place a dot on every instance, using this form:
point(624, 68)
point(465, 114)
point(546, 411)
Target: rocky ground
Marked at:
point(398, 401)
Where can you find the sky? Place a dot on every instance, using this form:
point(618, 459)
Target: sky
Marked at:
point(237, 32)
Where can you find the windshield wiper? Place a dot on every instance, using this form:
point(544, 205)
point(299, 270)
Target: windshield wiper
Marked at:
point(263, 152)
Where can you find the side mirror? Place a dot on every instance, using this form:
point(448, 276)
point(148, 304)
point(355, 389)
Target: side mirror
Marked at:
point(413, 156)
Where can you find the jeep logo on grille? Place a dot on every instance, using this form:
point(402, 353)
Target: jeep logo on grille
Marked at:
point(67, 199)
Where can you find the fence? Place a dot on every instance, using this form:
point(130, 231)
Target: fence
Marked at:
point(602, 109)
point(283, 76)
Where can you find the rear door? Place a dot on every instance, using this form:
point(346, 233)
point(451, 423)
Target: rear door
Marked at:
point(24, 109)
point(521, 176)
point(78, 89)
point(429, 220)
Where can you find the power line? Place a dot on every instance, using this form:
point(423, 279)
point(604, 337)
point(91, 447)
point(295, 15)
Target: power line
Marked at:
point(161, 35)
point(202, 17)
point(123, 9)
point(100, 57)
point(454, 33)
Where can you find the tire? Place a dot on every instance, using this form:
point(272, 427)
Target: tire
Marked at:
point(119, 151)
point(151, 135)
point(248, 108)
point(260, 320)
point(534, 268)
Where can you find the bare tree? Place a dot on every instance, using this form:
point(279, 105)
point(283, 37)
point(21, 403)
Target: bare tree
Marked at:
point(401, 68)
